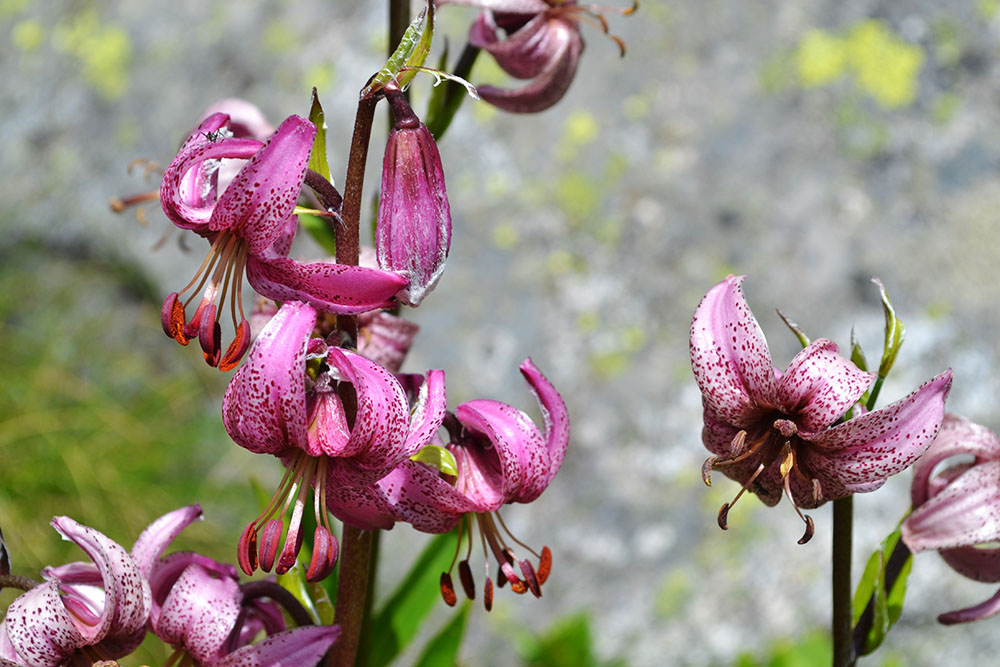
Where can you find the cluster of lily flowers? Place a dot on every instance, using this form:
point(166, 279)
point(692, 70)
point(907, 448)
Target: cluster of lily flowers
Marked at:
point(805, 433)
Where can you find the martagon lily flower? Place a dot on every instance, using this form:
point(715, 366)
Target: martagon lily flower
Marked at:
point(542, 43)
point(502, 458)
point(288, 400)
point(956, 507)
point(250, 227)
point(777, 432)
point(200, 608)
point(84, 612)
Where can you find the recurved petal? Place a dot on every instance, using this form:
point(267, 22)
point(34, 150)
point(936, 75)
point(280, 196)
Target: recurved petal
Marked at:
point(40, 629)
point(530, 50)
point(428, 413)
point(548, 87)
point(858, 455)
point(304, 645)
point(188, 191)
point(819, 386)
point(382, 420)
point(975, 613)
point(245, 119)
point(151, 543)
point(199, 613)
point(729, 356)
point(510, 6)
point(555, 417)
point(977, 563)
point(262, 196)
point(958, 436)
point(966, 512)
point(264, 408)
point(419, 496)
point(524, 460)
point(336, 288)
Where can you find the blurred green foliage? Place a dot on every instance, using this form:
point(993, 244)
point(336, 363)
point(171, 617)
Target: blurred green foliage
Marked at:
point(567, 643)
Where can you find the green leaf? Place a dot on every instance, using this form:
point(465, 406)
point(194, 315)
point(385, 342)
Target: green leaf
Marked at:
point(857, 354)
point(443, 648)
point(438, 458)
point(411, 52)
point(895, 332)
point(321, 230)
point(317, 160)
point(294, 581)
point(887, 607)
point(400, 617)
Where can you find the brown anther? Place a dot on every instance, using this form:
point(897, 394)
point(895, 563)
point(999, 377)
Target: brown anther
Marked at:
point(465, 576)
point(117, 205)
point(706, 469)
point(810, 529)
point(817, 493)
point(448, 590)
point(246, 554)
point(269, 542)
point(787, 459)
point(488, 594)
point(519, 587)
point(544, 566)
point(530, 579)
point(234, 353)
point(172, 319)
point(738, 445)
point(724, 516)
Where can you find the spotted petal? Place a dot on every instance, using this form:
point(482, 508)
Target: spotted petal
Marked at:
point(957, 437)
point(729, 356)
point(305, 645)
point(819, 386)
point(860, 454)
point(264, 408)
point(555, 418)
point(150, 544)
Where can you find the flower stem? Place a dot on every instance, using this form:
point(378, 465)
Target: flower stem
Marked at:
point(843, 644)
point(352, 588)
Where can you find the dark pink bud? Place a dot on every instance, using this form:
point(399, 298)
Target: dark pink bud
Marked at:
point(270, 540)
point(413, 232)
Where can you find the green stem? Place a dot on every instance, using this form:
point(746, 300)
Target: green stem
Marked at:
point(352, 588)
point(843, 645)
point(365, 643)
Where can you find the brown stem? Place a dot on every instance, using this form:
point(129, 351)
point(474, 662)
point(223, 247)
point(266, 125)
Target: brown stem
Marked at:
point(15, 581)
point(268, 589)
point(352, 587)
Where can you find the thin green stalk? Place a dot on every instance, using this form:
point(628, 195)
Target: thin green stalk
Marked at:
point(843, 645)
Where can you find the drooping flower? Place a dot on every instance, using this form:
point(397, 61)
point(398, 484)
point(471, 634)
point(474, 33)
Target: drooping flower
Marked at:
point(501, 458)
point(250, 227)
point(778, 432)
point(542, 43)
point(413, 231)
point(289, 400)
point(199, 608)
point(956, 507)
point(83, 612)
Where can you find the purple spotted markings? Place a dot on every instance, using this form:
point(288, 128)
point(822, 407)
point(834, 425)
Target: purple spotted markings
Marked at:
point(781, 433)
point(292, 399)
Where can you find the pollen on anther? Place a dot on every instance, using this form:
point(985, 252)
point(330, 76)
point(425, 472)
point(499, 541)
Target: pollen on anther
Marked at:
point(448, 590)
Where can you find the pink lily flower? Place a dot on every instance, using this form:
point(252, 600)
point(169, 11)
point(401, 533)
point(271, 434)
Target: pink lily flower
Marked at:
point(84, 612)
point(413, 231)
point(502, 458)
point(542, 43)
point(288, 400)
point(777, 431)
point(199, 608)
point(956, 508)
point(250, 227)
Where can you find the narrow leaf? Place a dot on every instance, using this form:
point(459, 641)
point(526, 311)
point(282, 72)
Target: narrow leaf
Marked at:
point(443, 647)
point(4, 557)
point(411, 52)
point(895, 332)
point(294, 581)
point(866, 586)
point(317, 160)
point(438, 458)
point(857, 353)
point(400, 617)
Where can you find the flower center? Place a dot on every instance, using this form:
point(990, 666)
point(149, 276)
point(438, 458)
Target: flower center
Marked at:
point(221, 274)
point(303, 474)
point(779, 445)
point(494, 535)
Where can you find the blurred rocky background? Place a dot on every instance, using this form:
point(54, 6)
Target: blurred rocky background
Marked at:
point(807, 145)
